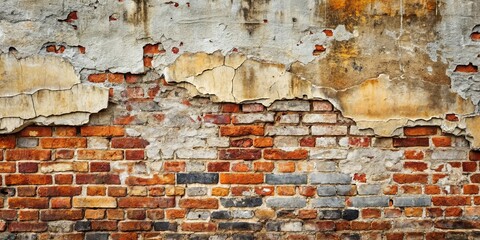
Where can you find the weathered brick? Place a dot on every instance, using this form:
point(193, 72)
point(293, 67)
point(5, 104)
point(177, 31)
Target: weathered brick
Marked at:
point(218, 166)
point(241, 202)
point(237, 131)
point(241, 178)
point(420, 131)
point(328, 202)
point(412, 201)
point(27, 154)
point(27, 227)
point(28, 179)
point(129, 142)
point(63, 142)
point(55, 215)
point(330, 130)
point(94, 202)
point(374, 201)
point(27, 202)
point(102, 131)
point(328, 154)
point(290, 118)
point(286, 202)
point(239, 226)
point(241, 143)
point(411, 142)
point(26, 142)
point(58, 191)
point(204, 178)
point(292, 105)
point(36, 131)
point(450, 200)
point(320, 118)
point(322, 106)
point(83, 226)
point(6, 167)
point(7, 142)
point(278, 154)
point(205, 153)
point(368, 189)
point(252, 118)
point(99, 178)
point(157, 179)
point(199, 227)
point(165, 226)
point(410, 178)
point(449, 154)
point(286, 179)
point(199, 203)
point(90, 154)
point(330, 178)
point(134, 225)
point(240, 154)
point(286, 131)
point(146, 202)
point(96, 236)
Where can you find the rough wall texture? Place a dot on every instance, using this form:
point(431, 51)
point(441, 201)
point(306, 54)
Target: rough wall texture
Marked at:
point(242, 119)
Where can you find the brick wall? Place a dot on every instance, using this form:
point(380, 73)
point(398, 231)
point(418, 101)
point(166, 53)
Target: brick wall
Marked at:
point(157, 164)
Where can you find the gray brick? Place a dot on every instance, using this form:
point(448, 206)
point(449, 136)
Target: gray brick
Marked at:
point(291, 227)
point(253, 117)
point(245, 214)
point(241, 202)
point(96, 236)
point(449, 155)
point(240, 226)
point(284, 142)
point(330, 178)
point(286, 179)
point(326, 190)
point(325, 142)
point(165, 226)
point(221, 215)
point(320, 118)
point(205, 178)
point(412, 201)
point(328, 202)
point(83, 226)
point(289, 118)
point(345, 190)
point(333, 130)
point(295, 105)
point(27, 142)
point(368, 189)
point(193, 166)
point(328, 154)
point(293, 202)
point(286, 131)
point(197, 191)
point(202, 153)
point(326, 166)
point(330, 214)
point(198, 215)
point(378, 201)
point(218, 142)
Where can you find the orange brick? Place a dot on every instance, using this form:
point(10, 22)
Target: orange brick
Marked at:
point(470, 68)
point(94, 214)
point(450, 200)
point(97, 78)
point(96, 191)
point(432, 189)
point(453, 212)
point(28, 179)
point(263, 166)
point(240, 190)
point(415, 166)
point(167, 178)
point(371, 213)
point(409, 189)
point(7, 141)
point(470, 189)
point(28, 215)
point(27, 154)
point(286, 190)
point(219, 191)
point(308, 191)
point(278, 154)
point(236, 131)
point(420, 131)
point(414, 154)
point(61, 202)
point(199, 227)
point(286, 167)
point(241, 178)
point(262, 142)
point(240, 167)
point(199, 203)
point(413, 212)
point(66, 131)
point(63, 142)
point(442, 141)
point(175, 213)
point(90, 154)
point(35, 131)
point(102, 131)
point(410, 178)
point(174, 166)
point(307, 214)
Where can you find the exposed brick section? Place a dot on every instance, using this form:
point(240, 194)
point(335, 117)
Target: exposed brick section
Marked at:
point(27, 154)
point(102, 131)
point(278, 154)
point(410, 142)
point(63, 142)
point(420, 131)
point(239, 154)
point(236, 131)
point(129, 143)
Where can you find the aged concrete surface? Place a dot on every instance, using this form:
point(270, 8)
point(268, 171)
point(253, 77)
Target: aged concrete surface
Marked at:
point(261, 51)
point(44, 90)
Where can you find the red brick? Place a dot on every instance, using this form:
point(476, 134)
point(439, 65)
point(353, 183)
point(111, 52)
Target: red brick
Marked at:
point(124, 120)
point(34, 131)
point(7, 141)
point(307, 214)
point(59, 191)
point(175, 213)
point(116, 78)
point(64, 154)
point(198, 203)
point(322, 106)
point(470, 68)
point(357, 225)
point(96, 191)
point(151, 49)
point(230, 108)
point(278, 154)
point(27, 154)
point(61, 202)
point(86, 178)
point(325, 225)
point(132, 78)
point(371, 213)
point(63, 142)
point(415, 166)
point(241, 143)
point(129, 143)
point(265, 190)
point(8, 214)
point(146, 202)
point(158, 179)
point(97, 78)
point(410, 178)
point(237, 131)
point(115, 214)
point(104, 225)
point(469, 166)
point(450, 200)
point(414, 154)
point(307, 191)
point(199, 227)
point(286, 190)
point(218, 166)
point(155, 214)
point(135, 92)
point(240, 190)
point(410, 142)
point(263, 166)
point(63, 178)
point(134, 154)
point(307, 142)
point(241, 178)
point(360, 177)
point(28, 215)
point(474, 155)
point(470, 189)
point(451, 117)
point(442, 141)
point(28, 179)
point(411, 189)
point(54, 215)
point(217, 118)
point(453, 212)
point(147, 62)
point(432, 189)
point(359, 141)
point(475, 178)
point(99, 167)
point(7, 167)
point(174, 166)
point(434, 212)
point(27, 227)
point(89, 154)
point(135, 226)
point(102, 131)
point(136, 214)
point(286, 167)
point(28, 202)
point(117, 191)
point(253, 107)
point(27, 167)
point(66, 131)
point(26, 191)
point(380, 225)
point(420, 131)
point(435, 236)
point(240, 154)
point(262, 142)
